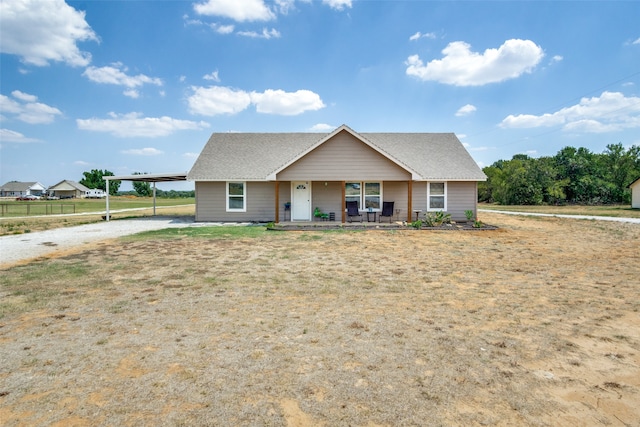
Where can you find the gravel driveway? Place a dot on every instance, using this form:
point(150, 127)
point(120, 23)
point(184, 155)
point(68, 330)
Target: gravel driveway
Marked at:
point(22, 247)
point(588, 217)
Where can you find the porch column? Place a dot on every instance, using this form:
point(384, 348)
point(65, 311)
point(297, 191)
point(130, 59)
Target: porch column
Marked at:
point(277, 202)
point(107, 207)
point(154, 198)
point(409, 200)
point(342, 203)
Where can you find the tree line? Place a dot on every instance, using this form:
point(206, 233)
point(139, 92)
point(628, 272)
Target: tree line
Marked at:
point(572, 176)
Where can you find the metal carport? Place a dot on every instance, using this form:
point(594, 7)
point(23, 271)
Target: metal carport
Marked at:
point(161, 177)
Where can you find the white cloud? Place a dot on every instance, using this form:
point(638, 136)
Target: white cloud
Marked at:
point(7, 135)
point(81, 163)
point(134, 125)
point(28, 111)
point(322, 127)
point(215, 100)
point(609, 112)
point(190, 155)
point(213, 76)
point(223, 29)
point(132, 93)
point(115, 74)
point(636, 41)
point(462, 67)
point(337, 4)
point(557, 58)
point(238, 10)
point(466, 110)
point(418, 35)
point(24, 96)
point(265, 34)
point(8, 105)
point(43, 31)
point(148, 151)
point(286, 103)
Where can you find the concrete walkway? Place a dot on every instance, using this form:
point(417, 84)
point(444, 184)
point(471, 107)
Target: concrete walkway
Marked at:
point(588, 217)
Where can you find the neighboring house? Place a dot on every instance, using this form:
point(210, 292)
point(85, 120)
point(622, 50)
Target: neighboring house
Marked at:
point(251, 176)
point(635, 193)
point(67, 189)
point(16, 189)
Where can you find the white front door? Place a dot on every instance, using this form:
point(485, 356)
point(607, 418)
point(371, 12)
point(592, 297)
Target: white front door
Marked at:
point(301, 201)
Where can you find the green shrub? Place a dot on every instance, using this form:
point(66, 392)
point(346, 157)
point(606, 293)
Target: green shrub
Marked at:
point(468, 214)
point(435, 219)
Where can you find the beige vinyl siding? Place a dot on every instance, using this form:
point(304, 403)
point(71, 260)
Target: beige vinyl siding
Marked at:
point(461, 195)
point(211, 202)
point(285, 196)
point(343, 158)
point(419, 198)
point(328, 198)
point(635, 195)
point(396, 192)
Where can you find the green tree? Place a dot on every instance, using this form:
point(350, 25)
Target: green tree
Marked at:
point(573, 166)
point(618, 168)
point(143, 188)
point(94, 180)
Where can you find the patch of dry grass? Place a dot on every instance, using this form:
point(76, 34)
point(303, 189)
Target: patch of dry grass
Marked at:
point(536, 323)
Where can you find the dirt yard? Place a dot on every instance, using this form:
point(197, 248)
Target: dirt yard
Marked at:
point(537, 323)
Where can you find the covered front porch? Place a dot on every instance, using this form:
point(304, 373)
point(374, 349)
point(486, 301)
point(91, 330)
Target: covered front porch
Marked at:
point(324, 201)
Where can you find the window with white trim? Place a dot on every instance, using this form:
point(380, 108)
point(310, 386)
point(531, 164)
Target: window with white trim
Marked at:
point(436, 196)
point(352, 193)
point(236, 197)
point(367, 194)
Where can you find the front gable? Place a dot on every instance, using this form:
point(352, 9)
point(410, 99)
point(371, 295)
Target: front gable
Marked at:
point(343, 157)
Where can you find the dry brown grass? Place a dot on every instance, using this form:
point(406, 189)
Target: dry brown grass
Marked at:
point(533, 324)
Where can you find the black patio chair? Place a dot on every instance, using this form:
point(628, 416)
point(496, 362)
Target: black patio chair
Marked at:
point(387, 210)
point(352, 210)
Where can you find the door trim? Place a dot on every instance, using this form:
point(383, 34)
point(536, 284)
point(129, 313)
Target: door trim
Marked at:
point(294, 213)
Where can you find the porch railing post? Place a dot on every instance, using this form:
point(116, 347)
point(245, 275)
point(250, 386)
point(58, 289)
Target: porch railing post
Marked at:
point(409, 200)
point(277, 202)
point(344, 198)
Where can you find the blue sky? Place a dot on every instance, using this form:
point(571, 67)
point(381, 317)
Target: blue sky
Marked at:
point(139, 86)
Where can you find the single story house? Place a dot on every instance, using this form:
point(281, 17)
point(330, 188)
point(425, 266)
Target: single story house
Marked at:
point(67, 189)
point(265, 177)
point(635, 193)
point(16, 189)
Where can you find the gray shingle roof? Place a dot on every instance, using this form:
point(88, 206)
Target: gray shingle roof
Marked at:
point(70, 183)
point(257, 156)
point(18, 186)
